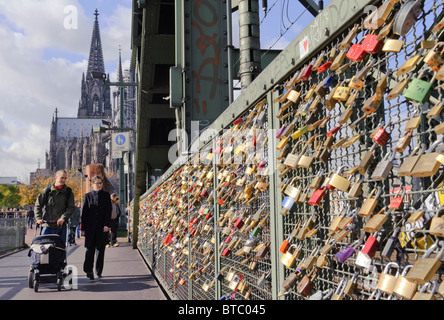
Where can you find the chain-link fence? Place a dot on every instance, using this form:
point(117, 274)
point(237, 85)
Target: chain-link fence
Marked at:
point(328, 181)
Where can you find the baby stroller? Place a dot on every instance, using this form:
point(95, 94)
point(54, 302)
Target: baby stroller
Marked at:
point(48, 257)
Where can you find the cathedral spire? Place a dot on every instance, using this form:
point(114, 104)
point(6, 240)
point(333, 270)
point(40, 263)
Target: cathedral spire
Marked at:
point(119, 68)
point(95, 62)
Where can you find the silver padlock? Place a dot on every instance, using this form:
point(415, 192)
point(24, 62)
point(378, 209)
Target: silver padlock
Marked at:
point(407, 16)
point(384, 167)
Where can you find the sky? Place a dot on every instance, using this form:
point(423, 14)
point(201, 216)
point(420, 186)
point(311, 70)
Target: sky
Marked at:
point(44, 48)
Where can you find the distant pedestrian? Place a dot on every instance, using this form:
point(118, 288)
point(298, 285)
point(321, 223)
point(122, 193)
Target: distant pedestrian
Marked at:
point(95, 221)
point(73, 223)
point(115, 215)
point(30, 218)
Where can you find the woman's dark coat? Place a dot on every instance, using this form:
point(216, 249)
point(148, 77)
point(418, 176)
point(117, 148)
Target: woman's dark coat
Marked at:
point(96, 214)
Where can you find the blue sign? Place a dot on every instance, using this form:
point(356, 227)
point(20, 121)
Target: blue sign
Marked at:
point(120, 139)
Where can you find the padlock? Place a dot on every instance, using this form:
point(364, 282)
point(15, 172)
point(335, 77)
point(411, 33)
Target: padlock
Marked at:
point(337, 61)
point(376, 222)
point(341, 92)
point(306, 73)
point(383, 167)
point(434, 57)
point(317, 196)
point(437, 224)
point(398, 88)
point(293, 191)
point(427, 165)
point(226, 252)
point(339, 292)
point(349, 37)
point(287, 204)
point(371, 44)
point(403, 286)
point(351, 285)
point(371, 245)
point(369, 204)
point(372, 103)
point(425, 268)
point(381, 136)
point(406, 167)
point(289, 258)
point(404, 141)
point(234, 283)
point(306, 285)
point(396, 203)
point(407, 16)
point(393, 45)
point(356, 181)
point(367, 160)
point(291, 280)
point(388, 281)
point(305, 161)
point(391, 244)
point(345, 221)
point(325, 66)
point(377, 17)
point(356, 53)
point(336, 181)
point(363, 261)
point(316, 182)
point(423, 294)
point(419, 90)
point(347, 251)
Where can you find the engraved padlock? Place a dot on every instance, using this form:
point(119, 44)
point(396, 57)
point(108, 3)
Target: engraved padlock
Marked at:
point(381, 136)
point(437, 223)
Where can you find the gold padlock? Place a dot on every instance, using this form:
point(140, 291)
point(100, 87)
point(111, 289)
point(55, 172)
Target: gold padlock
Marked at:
point(427, 164)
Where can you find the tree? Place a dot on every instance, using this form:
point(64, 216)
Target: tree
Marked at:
point(9, 196)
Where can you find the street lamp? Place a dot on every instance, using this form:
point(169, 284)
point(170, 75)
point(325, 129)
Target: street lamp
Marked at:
point(121, 128)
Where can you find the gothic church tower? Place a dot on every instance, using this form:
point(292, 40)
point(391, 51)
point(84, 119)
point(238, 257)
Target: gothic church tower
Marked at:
point(95, 101)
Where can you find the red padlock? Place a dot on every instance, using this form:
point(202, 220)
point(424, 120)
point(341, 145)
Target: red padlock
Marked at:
point(381, 136)
point(208, 216)
point(333, 131)
point(226, 252)
point(307, 73)
point(239, 223)
point(324, 67)
point(371, 246)
point(356, 53)
point(397, 201)
point(237, 121)
point(371, 44)
point(317, 196)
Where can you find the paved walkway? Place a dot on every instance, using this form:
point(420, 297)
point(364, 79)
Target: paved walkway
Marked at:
point(125, 277)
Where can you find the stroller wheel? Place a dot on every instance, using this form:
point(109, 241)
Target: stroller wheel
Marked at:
point(36, 286)
point(31, 279)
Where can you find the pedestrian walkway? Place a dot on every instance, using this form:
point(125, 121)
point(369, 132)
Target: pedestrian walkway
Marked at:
point(125, 277)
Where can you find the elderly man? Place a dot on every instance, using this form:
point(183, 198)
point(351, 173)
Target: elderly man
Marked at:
point(54, 206)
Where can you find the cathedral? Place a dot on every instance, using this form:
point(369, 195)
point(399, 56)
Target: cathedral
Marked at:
point(73, 143)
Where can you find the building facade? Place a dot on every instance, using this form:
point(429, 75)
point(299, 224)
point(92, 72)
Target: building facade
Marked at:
point(73, 143)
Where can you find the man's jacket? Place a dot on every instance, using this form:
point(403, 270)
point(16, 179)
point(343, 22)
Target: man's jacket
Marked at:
point(57, 204)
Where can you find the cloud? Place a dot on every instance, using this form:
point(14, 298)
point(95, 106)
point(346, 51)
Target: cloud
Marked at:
point(41, 63)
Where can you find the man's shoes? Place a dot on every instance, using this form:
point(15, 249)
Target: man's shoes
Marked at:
point(115, 244)
point(90, 275)
point(99, 275)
